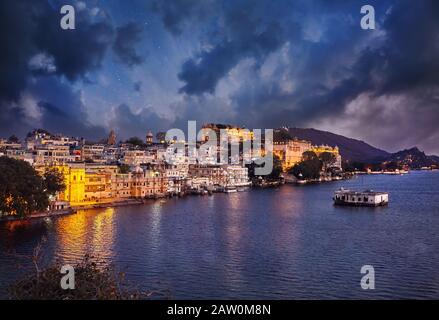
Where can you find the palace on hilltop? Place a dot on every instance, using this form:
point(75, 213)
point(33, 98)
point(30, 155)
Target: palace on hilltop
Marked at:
point(290, 150)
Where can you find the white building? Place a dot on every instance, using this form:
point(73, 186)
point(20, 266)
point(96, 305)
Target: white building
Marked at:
point(53, 154)
point(237, 176)
point(93, 152)
point(176, 175)
point(137, 157)
point(222, 176)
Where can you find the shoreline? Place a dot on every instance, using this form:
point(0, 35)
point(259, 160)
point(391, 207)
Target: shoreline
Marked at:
point(131, 202)
point(115, 204)
point(71, 211)
point(39, 215)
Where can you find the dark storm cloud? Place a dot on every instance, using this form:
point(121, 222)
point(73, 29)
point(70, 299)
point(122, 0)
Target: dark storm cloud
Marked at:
point(75, 52)
point(57, 120)
point(16, 32)
point(332, 63)
point(175, 14)
point(13, 121)
point(52, 105)
point(127, 123)
point(246, 32)
point(203, 73)
point(411, 53)
point(405, 69)
point(255, 29)
point(62, 109)
point(32, 27)
point(127, 37)
point(260, 63)
point(137, 86)
point(35, 47)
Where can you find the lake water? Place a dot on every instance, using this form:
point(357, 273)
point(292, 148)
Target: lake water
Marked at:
point(284, 243)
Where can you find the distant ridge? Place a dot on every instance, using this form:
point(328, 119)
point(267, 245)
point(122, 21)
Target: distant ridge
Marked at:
point(434, 158)
point(414, 158)
point(350, 149)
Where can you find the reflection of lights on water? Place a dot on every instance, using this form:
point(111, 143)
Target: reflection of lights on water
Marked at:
point(71, 235)
point(103, 235)
point(234, 234)
point(156, 208)
point(75, 240)
point(211, 201)
point(156, 214)
point(235, 200)
point(12, 226)
point(288, 201)
point(101, 220)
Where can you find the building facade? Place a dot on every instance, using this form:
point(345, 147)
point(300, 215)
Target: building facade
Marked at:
point(290, 152)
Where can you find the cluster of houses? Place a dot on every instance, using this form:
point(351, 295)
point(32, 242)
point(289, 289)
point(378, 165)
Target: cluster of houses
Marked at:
point(110, 172)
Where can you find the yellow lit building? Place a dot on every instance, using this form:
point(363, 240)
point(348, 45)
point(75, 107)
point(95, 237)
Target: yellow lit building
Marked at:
point(239, 134)
point(88, 184)
point(98, 186)
point(148, 183)
point(100, 183)
point(74, 179)
point(290, 152)
point(234, 133)
point(318, 150)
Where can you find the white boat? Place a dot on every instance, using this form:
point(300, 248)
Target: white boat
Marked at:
point(368, 198)
point(391, 172)
point(230, 190)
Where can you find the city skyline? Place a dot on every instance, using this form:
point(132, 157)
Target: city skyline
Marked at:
point(154, 65)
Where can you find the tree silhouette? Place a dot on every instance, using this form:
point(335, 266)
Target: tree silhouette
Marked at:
point(22, 190)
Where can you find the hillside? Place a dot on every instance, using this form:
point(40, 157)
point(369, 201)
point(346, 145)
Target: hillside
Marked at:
point(413, 158)
point(434, 158)
point(350, 149)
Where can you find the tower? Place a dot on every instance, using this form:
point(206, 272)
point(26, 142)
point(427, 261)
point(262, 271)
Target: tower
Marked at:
point(149, 138)
point(111, 138)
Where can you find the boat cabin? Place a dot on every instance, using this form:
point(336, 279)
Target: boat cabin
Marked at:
point(368, 198)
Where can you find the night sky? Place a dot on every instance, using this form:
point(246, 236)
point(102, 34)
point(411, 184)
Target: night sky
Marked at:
point(138, 65)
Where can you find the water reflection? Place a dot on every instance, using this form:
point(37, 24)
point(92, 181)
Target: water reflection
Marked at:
point(15, 226)
point(89, 232)
point(103, 237)
point(156, 216)
point(235, 236)
point(288, 201)
point(277, 243)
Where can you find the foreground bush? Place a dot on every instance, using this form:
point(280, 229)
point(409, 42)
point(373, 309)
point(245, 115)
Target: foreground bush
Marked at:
point(91, 283)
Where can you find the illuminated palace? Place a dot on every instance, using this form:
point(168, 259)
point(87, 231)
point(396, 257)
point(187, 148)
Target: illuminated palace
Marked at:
point(290, 150)
point(234, 133)
point(318, 150)
point(88, 184)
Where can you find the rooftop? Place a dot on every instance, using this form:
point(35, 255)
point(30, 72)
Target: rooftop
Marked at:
point(360, 193)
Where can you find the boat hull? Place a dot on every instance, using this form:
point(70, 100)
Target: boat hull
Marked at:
point(359, 204)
